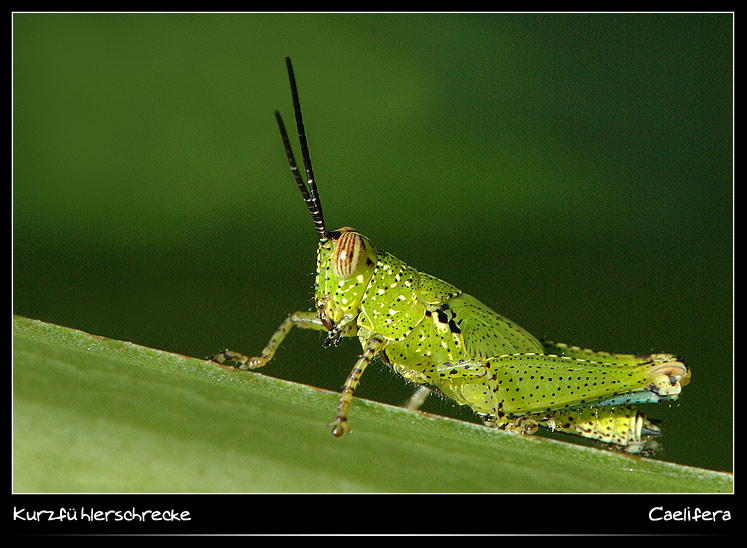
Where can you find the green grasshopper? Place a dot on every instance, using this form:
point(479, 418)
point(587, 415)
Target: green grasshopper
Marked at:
point(448, 342)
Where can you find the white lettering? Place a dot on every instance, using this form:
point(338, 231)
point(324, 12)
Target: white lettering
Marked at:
point(90, 514)
point(657, 513)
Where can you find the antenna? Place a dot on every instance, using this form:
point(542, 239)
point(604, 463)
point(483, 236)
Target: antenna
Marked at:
point(309, 193)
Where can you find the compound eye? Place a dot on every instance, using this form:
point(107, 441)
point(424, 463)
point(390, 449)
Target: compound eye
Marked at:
point(350, 251)
point(335, 234)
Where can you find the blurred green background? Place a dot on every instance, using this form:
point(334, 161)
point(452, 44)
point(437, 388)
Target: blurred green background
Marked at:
point(572, 171)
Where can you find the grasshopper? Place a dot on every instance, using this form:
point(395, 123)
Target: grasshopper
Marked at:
point(448, 342)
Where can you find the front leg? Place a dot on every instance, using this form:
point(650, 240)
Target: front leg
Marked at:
point(304, 320)
point(375, 344)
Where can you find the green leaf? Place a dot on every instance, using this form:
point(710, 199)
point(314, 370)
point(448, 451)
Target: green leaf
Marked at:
point(92, 414)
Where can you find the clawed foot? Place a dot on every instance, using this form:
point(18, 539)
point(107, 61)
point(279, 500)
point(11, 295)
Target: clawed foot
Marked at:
point(333, 338)
point(339, 427)
point(243, 362)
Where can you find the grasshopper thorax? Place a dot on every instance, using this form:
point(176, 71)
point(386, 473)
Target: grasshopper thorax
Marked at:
point(345, 264)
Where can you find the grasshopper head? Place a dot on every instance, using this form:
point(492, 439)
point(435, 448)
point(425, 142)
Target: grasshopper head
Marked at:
point(345, 264)
point(345, 259)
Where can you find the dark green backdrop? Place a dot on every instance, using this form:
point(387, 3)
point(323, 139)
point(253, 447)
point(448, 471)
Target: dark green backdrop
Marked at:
point(572, 171)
